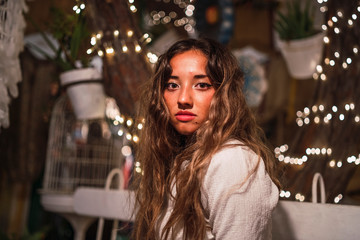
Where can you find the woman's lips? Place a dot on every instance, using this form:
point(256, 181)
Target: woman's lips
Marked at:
point(185, 116)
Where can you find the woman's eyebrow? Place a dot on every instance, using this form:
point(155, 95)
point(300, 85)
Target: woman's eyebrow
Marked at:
point(173, 77)
point(199, 76)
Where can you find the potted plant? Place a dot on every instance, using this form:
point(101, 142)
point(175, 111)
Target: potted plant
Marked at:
point(300, 42)
point(82, 81)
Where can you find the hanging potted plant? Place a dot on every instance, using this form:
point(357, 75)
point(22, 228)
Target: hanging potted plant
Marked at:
point(300, 42)
point(83, 83)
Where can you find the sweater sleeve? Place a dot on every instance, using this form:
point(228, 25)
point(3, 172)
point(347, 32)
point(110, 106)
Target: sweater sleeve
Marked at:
point(238, 206)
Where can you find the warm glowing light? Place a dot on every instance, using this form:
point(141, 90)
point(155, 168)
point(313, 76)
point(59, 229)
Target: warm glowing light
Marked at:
point(137, 48)
point(332, 163)
point(306, 111)
point(341, 117)
point(319, 68)
point(130, 33)
point(323, 77)
point(339, 164)
point(314, 108)
point(93, 41)
point(135, 138)
point(109, 50)
point(326, 40)
point(329, 116)
point(338, 198)
point(128, 136)
point(352, 106)
point(317, 120)
point(133, 8)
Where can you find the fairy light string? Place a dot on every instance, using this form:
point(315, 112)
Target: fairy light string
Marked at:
point(323, 114)
point(103, 44)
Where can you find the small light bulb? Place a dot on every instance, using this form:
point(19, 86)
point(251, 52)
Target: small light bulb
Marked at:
point(130, 33)
point(137, 48)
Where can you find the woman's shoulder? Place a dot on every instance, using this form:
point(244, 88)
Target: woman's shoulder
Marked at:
point(235, 153)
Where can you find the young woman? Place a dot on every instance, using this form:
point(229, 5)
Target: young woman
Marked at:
point(206, 173)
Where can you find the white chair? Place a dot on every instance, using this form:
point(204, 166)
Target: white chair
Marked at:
point(320, 221)
point(117, 204)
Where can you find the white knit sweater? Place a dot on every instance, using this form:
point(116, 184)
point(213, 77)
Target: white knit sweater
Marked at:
point(234, 209)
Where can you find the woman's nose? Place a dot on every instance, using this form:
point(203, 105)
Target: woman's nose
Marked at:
point(185, 99)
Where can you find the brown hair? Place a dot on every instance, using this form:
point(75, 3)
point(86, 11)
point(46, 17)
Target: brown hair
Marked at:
point(162, 151)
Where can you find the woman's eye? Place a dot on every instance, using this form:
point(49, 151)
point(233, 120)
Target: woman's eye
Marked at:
point(171, 86)
point(203, 86)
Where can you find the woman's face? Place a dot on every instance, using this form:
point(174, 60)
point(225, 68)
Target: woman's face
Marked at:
point(188, 92)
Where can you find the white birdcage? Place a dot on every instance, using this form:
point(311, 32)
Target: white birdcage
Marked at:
point(80, 153)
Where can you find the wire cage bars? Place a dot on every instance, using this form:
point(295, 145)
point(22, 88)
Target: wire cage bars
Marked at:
point(80, 152)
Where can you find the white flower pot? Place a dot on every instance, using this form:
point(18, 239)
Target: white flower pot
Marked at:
point(303, 55)
point(86, 92)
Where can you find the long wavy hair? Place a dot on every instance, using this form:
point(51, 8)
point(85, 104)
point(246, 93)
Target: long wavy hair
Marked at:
point(163, 152)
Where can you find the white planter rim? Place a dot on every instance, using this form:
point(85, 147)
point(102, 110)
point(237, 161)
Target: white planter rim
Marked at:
point(80, 75)
point(301, 43)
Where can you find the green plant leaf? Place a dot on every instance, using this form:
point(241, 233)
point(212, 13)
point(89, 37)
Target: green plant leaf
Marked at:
point(297, 22)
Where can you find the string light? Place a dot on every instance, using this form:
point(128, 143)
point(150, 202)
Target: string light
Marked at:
point(322, 114)
point(355, 50)
point(133, 8)
point(300, 197)
point(137, 47)
point(188, 22)
point(130, 33)
point(285, 194)
point(326, 40)
point(120, 132)
point(338, 198)
point(109, 50)
point(127, 41)
point(124, 47)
